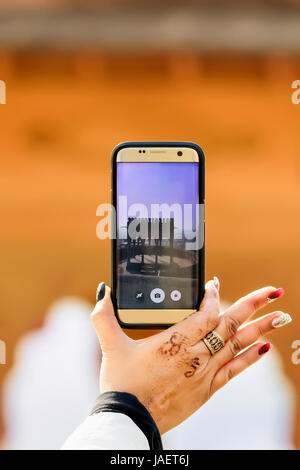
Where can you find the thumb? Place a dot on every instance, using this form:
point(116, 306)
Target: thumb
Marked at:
point(211, 300)
point(104, 320)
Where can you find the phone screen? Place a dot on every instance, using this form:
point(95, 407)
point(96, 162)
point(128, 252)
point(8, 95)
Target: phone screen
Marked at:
point(157, 228)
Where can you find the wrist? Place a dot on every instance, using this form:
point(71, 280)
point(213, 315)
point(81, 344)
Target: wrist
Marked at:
point(130, 405)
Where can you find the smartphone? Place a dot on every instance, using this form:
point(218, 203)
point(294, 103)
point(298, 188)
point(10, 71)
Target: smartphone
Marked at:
point(158, 250)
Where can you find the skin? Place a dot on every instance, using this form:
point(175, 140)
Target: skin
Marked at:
point(173, 373)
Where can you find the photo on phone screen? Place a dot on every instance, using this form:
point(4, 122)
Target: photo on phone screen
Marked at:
point(157, 257)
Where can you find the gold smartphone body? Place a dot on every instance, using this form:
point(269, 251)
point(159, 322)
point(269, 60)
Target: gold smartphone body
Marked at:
point(156, 282)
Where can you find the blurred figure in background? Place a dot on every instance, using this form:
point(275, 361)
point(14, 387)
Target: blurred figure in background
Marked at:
point(54, 380)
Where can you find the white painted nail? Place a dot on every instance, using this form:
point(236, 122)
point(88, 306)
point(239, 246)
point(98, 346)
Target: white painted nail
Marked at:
point(284, 319)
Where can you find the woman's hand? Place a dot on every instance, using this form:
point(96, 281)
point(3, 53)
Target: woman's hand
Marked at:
point(173, 373)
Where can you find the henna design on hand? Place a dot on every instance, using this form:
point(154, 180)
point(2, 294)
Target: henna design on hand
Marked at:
point(176, 343)
point(194, 366)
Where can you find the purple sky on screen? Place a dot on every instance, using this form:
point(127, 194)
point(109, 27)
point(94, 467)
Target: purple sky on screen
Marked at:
point(157, 183)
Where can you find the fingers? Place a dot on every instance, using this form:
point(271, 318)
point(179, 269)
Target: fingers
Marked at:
point(248, 334)
point(197, 325)
point(238, 365)
point(244, 308)
point(105, 323)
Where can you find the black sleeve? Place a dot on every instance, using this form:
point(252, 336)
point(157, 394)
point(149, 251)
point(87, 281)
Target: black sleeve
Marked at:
point(128, 404)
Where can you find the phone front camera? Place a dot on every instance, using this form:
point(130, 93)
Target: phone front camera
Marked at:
point(179, 153)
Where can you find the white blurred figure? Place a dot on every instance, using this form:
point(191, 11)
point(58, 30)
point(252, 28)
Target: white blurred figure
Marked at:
point(54, 382)
point(254, 411)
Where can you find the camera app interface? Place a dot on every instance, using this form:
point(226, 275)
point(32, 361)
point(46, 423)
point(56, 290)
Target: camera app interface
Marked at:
point(157, 232)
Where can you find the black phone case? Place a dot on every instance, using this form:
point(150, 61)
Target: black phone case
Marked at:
point(201, 272)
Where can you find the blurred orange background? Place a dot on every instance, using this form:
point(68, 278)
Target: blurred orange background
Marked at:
point(67, 107)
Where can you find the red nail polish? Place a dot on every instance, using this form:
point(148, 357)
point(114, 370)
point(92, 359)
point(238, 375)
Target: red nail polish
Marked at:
point(275, 294)
point(264, 348)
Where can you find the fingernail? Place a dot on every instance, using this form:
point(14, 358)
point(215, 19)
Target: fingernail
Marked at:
point(100, 291)
point(282, 320)
point(216, 283)
point(275, 294)
point(264, 348)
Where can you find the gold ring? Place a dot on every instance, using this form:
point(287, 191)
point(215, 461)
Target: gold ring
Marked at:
point(214, 342)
